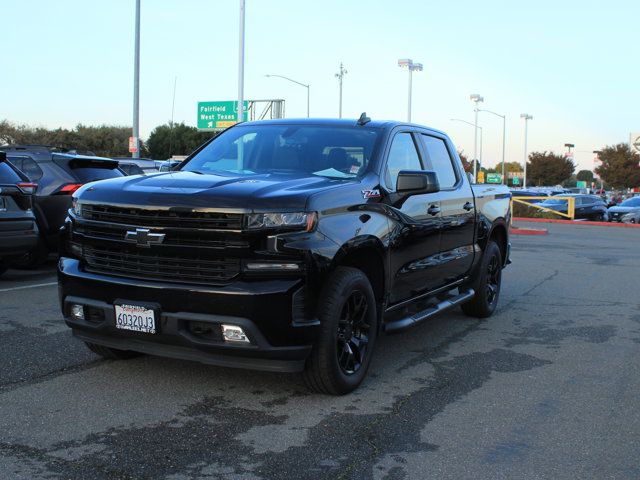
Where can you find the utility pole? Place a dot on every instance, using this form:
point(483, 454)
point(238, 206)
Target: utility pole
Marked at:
point(241, 65)
point(526, 117)
point(340, 75)
point(136, 87)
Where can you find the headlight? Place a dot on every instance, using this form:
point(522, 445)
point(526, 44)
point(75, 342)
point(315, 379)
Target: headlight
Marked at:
point(76, 207)
point(302, 220)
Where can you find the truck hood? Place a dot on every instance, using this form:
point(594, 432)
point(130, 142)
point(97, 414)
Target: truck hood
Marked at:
point(193, 190)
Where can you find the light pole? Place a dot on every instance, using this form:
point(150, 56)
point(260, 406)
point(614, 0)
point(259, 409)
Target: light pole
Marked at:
point(294, 81)
point(340, 75)
point(475, 98)
point(412, 67)
point(136, 87)
point(526, 117)
point(504, 130)
point(476, 128)
point(241, 65)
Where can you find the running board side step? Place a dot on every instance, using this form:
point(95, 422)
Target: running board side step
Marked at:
point(446, 304)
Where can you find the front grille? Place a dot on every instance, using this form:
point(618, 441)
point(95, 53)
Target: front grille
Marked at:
point(172, 218)
point(148, 266)
point(173, 238)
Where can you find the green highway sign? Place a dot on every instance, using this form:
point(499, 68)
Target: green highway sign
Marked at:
point(494, 178)
point(581, 184)
point(220, 115)
point(516, 180)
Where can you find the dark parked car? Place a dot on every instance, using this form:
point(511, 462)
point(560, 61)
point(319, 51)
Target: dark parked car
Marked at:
point(18, 229)
point(627, 211)
point(587, 207)
point(58, 176)
point(284, 245)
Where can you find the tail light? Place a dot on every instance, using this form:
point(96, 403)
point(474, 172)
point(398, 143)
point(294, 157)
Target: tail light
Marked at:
point(69, 189)
point(27, 187)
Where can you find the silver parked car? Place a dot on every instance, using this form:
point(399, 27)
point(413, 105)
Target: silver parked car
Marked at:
point(628, 211)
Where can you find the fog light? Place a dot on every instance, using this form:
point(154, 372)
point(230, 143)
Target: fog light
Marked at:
point(77, 312)
point(233, 333)
point(266, 267)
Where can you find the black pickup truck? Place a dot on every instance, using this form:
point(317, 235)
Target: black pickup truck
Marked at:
point(284, 245)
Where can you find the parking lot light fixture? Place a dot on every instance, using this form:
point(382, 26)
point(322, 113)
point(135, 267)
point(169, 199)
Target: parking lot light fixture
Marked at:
point(476, 98)
point(412, 67)
point(294, 81)
point(504, 131)
point(526, 118)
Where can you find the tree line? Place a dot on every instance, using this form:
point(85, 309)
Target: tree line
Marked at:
point(619, 165)
point(108, 140)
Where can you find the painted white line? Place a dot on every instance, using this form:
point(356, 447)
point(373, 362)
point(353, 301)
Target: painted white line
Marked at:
point(28, 286)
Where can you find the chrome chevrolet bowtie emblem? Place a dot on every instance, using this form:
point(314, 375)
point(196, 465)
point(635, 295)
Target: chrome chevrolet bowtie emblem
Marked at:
point(143, 237)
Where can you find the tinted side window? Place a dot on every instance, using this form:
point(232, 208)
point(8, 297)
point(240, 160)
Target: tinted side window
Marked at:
point(402, 156)
point(439, 160)
point(7, 175)
point(31, 169)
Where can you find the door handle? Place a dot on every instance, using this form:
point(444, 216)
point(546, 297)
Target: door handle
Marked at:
point(433, 210)
point(468, 206)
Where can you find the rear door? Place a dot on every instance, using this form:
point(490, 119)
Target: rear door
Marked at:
point(457, 207)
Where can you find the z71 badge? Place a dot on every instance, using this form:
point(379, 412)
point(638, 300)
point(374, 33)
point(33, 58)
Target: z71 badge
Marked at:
point(371, 193)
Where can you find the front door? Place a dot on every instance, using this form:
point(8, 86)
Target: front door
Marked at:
point(415, 235)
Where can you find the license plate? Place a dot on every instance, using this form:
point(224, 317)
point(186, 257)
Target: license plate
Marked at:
point(135, 318)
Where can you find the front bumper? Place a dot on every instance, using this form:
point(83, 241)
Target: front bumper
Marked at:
point(269, 311)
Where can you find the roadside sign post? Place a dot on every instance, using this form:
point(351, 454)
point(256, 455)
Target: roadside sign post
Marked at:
point(215, 116)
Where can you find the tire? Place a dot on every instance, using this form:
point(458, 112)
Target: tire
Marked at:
point(111, 353)
point(598, 218)
point(348, 331)
point(486, 284)
point(33, 258)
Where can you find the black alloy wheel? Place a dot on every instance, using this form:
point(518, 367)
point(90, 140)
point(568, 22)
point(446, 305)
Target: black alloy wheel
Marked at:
point(353, 333)
point(486, 283)
point(494, 274)
point(348, 330)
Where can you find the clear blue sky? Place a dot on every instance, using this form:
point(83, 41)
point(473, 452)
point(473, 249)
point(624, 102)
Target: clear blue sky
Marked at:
point(570, 64)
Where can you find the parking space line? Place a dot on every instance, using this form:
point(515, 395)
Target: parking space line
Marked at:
point(28, 286)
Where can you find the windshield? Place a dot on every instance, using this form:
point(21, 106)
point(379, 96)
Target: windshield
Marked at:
point(341, 152)
point(632, 202)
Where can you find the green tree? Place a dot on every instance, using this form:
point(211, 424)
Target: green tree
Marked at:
point(547, 169)
point(103, 140)
point(166, 141)
point(585, 176)
point(619, 166)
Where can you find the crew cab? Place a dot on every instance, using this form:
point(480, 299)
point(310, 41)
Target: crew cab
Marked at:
point(284, 245)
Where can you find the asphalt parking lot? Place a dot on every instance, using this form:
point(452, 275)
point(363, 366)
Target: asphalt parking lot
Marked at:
point(546, 388)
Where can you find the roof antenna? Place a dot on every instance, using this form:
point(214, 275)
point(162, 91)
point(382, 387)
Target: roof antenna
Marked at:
point(363, 120)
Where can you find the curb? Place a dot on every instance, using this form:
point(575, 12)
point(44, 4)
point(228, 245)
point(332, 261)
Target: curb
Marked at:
point(577, 222)
point(528, 231)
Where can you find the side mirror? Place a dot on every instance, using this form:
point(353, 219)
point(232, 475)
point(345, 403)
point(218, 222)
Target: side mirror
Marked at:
point(416, 182)
point(471, 179)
